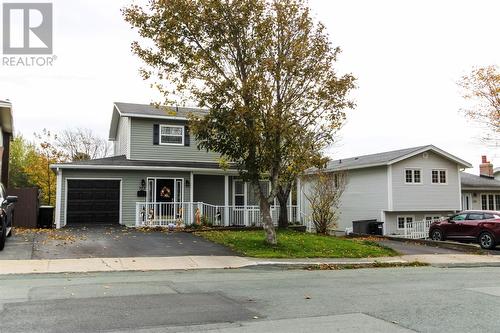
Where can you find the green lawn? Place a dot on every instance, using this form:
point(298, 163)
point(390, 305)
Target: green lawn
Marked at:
point(292, 244)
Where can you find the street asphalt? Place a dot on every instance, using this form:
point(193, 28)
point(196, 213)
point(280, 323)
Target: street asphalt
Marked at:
point(107, 242)
point(423, 299)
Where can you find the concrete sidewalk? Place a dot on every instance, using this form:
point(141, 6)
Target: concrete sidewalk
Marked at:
point(221, 262)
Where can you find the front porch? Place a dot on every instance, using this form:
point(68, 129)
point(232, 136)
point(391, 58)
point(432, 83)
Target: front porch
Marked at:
point(214, 199)
point(162, 214)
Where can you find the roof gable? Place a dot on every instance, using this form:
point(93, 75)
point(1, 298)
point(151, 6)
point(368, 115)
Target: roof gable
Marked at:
point(389, 158)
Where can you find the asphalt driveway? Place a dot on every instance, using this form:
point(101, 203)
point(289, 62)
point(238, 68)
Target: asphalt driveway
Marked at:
point(106, 242)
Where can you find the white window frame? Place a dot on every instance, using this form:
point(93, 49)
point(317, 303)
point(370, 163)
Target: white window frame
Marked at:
point(406, 221)
point(433, 217)
point(413, 176)
point(169, 143)
point(495, 206)
point(244, 194)
point(439, 176)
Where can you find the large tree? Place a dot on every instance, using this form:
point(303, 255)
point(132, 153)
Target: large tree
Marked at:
point(264, 69)
point(82, 144)
point(482, 87)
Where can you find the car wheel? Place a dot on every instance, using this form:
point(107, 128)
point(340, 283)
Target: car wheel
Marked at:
point(487, 241)
point(437, 235)
point(3, 233)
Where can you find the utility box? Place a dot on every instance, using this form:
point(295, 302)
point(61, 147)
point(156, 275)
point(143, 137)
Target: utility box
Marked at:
point(368, 227)
point(376, 228)
point(46, 217)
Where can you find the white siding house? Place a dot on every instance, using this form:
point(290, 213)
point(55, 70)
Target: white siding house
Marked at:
point(397, 187)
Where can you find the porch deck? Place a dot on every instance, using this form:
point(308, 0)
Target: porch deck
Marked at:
point(162, 214)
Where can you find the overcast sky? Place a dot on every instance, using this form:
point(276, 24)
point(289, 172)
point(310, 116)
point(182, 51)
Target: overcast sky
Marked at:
point(407, 56)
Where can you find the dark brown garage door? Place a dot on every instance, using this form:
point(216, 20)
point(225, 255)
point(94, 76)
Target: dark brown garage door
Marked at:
point(93, 201)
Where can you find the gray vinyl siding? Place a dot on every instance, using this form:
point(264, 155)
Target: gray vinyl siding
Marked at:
point(142, 147)
point(425, 196)
point(365, 196)
point(391, 224)
point(209, 189)
point(121, 144)
point(130, 183)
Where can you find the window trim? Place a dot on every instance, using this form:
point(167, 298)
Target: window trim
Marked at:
point(487, 194)
point(439, 176)
point(169, 143)
point(405, 217)
point(413, 176)
point(244, 194)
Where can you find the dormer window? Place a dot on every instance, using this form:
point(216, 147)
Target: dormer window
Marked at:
point(171, 135)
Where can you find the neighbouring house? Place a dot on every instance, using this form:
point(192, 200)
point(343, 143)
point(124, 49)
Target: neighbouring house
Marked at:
point(156, 176)
point(483, 191)
point(6, 130)
point(397, 187)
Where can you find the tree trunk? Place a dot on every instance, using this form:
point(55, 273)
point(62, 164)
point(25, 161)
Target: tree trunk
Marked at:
point(282, 196)
point(267, 221)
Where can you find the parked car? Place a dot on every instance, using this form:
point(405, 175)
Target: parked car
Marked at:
point(6, 215)
point(479, 226)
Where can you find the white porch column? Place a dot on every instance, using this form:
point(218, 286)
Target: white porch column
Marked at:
point(245, 211)
point(299, 200)
point(191, 197)
point(290, 209)
point(226, 200)
point(58, 198)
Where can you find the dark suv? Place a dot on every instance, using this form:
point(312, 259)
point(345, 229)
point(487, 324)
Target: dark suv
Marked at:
point(479, 226)
point(6, 215)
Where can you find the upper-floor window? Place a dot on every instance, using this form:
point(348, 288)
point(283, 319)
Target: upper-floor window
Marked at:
point(413, 176)
point(438, 176)
point(171, 135)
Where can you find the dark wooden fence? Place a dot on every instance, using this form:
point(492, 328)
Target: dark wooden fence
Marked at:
point(26, 211)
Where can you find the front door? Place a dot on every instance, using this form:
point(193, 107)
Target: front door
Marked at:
point(466, 201)
point(165, 194)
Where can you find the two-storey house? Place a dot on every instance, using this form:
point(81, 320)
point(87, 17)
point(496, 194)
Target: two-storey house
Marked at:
point(156, 176)
point(397, 187)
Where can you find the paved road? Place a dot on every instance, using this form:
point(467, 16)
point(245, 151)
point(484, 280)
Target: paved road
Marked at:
point(107, 242)
point(386, 300)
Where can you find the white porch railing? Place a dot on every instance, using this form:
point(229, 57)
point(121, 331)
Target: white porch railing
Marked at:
point(161, 214)
point(416, 229)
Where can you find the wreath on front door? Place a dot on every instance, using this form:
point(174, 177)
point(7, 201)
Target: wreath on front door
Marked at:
point(165, 192)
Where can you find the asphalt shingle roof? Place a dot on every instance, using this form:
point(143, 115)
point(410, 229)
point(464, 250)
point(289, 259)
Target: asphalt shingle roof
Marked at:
point(131, 109)
point(473, 181)
point(372, 159)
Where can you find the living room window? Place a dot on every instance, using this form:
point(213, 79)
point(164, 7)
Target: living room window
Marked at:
point(438, 176)
point(413, 176)
point(490, 201)
point(171, 135)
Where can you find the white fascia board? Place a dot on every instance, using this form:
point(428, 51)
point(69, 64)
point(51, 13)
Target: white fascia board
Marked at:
point(475, 189)
point(131, 167)
point(436, 150)
point(137, 115)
